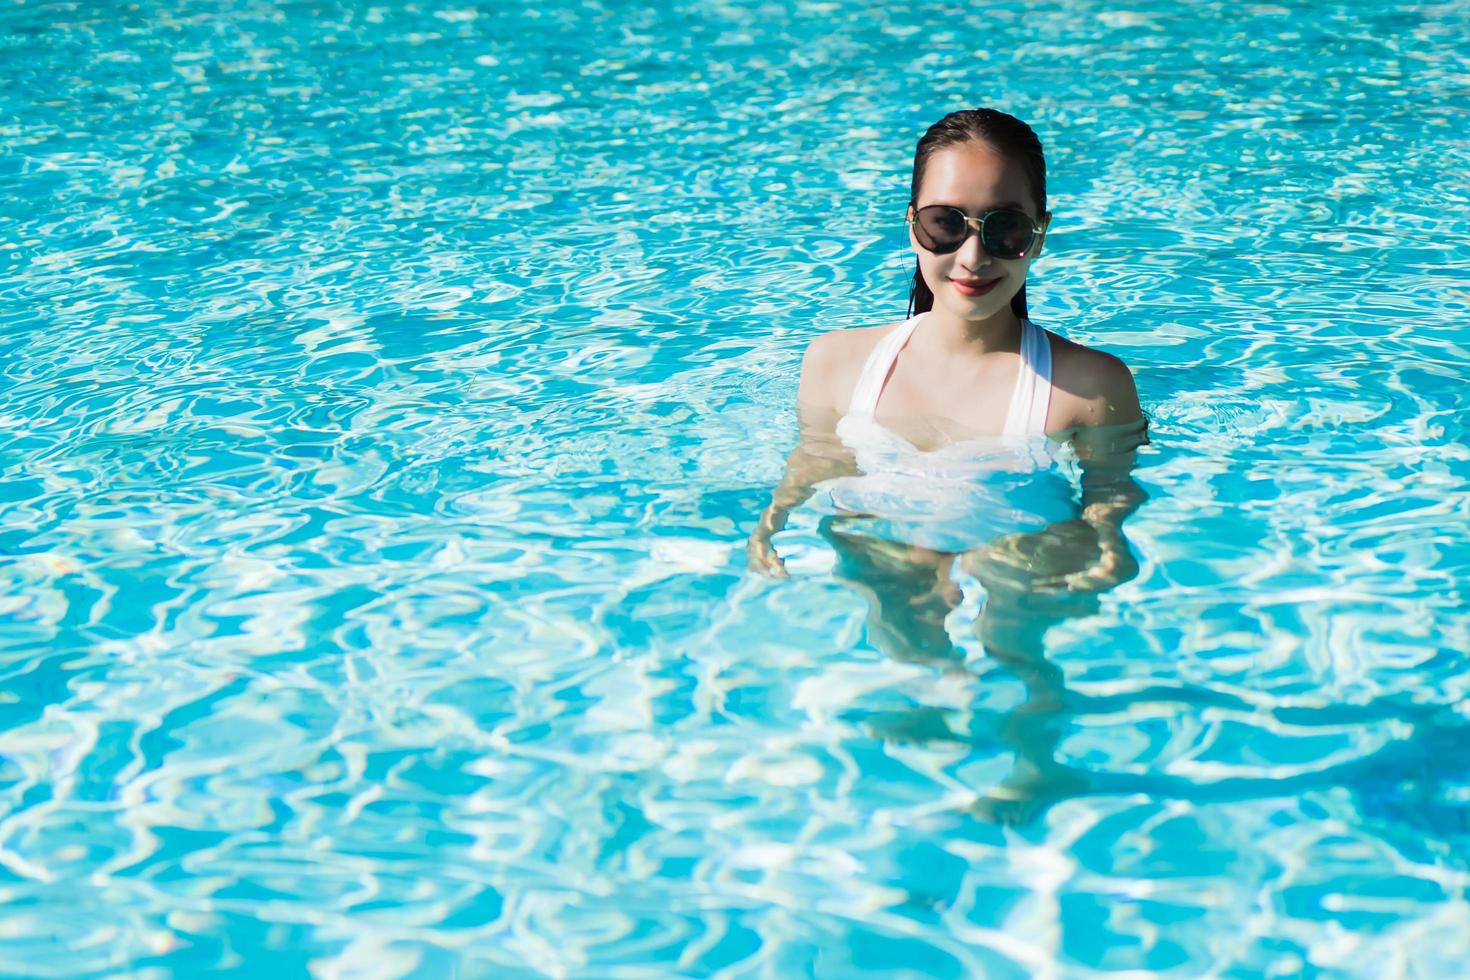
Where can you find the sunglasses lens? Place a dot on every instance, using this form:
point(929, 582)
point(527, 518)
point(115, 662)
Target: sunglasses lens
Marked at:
point(939, 229)
point(1006, 234)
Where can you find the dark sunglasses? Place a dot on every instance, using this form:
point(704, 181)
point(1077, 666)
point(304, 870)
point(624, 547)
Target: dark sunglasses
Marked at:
point(1004, 233)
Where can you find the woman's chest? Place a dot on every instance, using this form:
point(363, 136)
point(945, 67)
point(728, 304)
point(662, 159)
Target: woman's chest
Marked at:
point(959, 405)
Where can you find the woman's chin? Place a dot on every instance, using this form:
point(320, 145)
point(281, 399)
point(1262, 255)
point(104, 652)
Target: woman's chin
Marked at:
point(975, 307)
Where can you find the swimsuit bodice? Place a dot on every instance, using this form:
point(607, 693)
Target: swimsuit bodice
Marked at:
point(963, 493)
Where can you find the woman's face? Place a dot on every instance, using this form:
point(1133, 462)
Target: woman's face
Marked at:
point(973, 177)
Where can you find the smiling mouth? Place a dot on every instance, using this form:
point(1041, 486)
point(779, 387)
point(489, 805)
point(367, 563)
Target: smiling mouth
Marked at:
point(974, 287)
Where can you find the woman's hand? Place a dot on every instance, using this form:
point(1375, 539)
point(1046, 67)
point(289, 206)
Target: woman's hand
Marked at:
point(760, 554)
point(1114, 565)
point(1077, 556)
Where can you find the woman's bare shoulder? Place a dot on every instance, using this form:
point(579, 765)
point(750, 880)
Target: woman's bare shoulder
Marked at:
point(832, 363)
point(1090, 387)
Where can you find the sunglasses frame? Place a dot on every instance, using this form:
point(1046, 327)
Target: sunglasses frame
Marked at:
point(976, 223)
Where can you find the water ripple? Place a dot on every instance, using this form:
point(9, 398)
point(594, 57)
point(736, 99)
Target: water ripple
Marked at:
point(386, 400)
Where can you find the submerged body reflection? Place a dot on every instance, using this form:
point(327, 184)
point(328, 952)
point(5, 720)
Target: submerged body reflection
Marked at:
point(1033, 580)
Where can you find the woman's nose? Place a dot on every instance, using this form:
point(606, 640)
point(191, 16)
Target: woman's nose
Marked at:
point(972, 254)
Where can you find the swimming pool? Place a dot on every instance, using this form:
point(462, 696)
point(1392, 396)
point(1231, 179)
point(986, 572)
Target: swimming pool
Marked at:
point(386, 393)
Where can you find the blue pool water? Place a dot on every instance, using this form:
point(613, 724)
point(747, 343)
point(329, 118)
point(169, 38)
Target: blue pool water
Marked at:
point(386, 393)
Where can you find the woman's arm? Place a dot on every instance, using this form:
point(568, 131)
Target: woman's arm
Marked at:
point(819, 455)
point(1106, 426)
point(1110, 495)
point(1097, 405)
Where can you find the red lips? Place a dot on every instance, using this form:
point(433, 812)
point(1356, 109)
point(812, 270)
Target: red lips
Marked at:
point(974, 287)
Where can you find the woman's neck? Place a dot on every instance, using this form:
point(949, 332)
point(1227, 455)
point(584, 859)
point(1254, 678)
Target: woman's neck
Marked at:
point(946, 334)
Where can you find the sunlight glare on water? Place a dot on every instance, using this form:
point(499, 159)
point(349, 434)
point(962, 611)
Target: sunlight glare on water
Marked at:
point(387, 391)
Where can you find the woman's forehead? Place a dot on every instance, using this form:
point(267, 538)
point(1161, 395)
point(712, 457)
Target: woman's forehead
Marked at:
point(973, 175)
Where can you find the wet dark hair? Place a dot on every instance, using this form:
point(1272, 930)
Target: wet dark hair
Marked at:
point(1011, 138)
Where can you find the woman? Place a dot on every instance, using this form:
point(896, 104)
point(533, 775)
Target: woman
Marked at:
point(967, 361)
point(934, 438)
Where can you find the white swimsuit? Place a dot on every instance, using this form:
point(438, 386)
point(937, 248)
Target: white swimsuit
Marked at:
point(965, 493)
